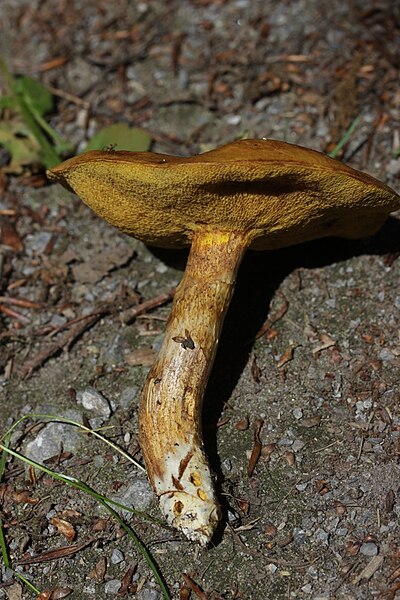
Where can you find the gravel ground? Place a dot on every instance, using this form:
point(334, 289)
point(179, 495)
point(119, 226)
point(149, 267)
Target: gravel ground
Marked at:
point(319, 517)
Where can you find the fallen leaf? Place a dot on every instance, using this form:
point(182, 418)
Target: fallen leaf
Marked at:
point(64, 527)
point(270, 529)
point(389, 501)
point(255, 370)
point(70, 513)
point(193, 587)
point(243, 424)
point(326, 342)
point(9, 236)
point(290, 458)
point(99, 571)
point(267, 450)
point(322, 486)
point(276, 316)
point(369, 570)
point(24, 497)
point(244, 505)
point(257, 447)
point(99, 265)
point(248, 526)
point(100, 525)
point(48, 555)
point(287, 356)
point(126, 582)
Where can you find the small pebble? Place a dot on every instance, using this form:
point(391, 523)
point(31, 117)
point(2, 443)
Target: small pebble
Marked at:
point(393, 166)
point(386, 355)
point(285, 441)
point(137, 494)
point(112, 587)
point(307, 589)
point(233, 518)
point(48, 441)
point(321, 536)
point(297, 413)
point(301, 487)
point(297, 445)
point(299, 536)
point(331, 302)
point(233, 119)
point(117, 556)
point(128, 395)
point(147, 594)
point(226, 465)
point(369, 549)
point(91, 399)
point(161, 268)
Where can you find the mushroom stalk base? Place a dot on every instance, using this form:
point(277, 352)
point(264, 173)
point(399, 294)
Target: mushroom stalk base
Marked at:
point(172, 399)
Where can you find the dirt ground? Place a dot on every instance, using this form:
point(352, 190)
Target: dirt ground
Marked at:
point(319, 516)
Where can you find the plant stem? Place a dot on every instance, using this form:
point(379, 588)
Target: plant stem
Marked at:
point(171, 405)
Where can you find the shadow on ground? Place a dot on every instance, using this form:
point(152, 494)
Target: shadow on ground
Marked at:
point(260, 275)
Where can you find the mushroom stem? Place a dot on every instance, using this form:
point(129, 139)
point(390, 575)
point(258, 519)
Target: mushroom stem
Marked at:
point(172, 398)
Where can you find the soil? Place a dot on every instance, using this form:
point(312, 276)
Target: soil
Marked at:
point(319, 515)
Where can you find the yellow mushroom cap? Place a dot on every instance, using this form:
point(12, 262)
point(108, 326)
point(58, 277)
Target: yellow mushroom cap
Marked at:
point(279, 194)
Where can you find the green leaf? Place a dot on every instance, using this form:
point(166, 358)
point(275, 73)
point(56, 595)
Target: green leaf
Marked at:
point(35, 94)
point(20, 143)
point(120, 137)
point(7, 102)
point(29, 100)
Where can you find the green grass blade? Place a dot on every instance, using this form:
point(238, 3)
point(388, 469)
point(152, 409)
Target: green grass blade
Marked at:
point(3, 457)
point(26, 581)
point(7, 77)
point(105, 502)
point(61, 146)
point(3, 546)
point(48, 155)
point(3, 543)
point(94, 432)
point(345, 138)
point(142, 549)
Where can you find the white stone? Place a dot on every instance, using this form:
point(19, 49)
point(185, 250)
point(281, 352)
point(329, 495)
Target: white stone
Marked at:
point(369, 549)
point(117, 556)
point(91, 399)
point(112, 586)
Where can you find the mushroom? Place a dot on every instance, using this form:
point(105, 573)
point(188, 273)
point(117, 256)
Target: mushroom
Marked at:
point(259, 194)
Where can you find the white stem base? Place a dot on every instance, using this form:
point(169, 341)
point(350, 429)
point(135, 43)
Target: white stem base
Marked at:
point(192, 507)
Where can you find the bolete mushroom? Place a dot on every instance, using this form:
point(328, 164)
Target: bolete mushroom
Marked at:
point(258, 194)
